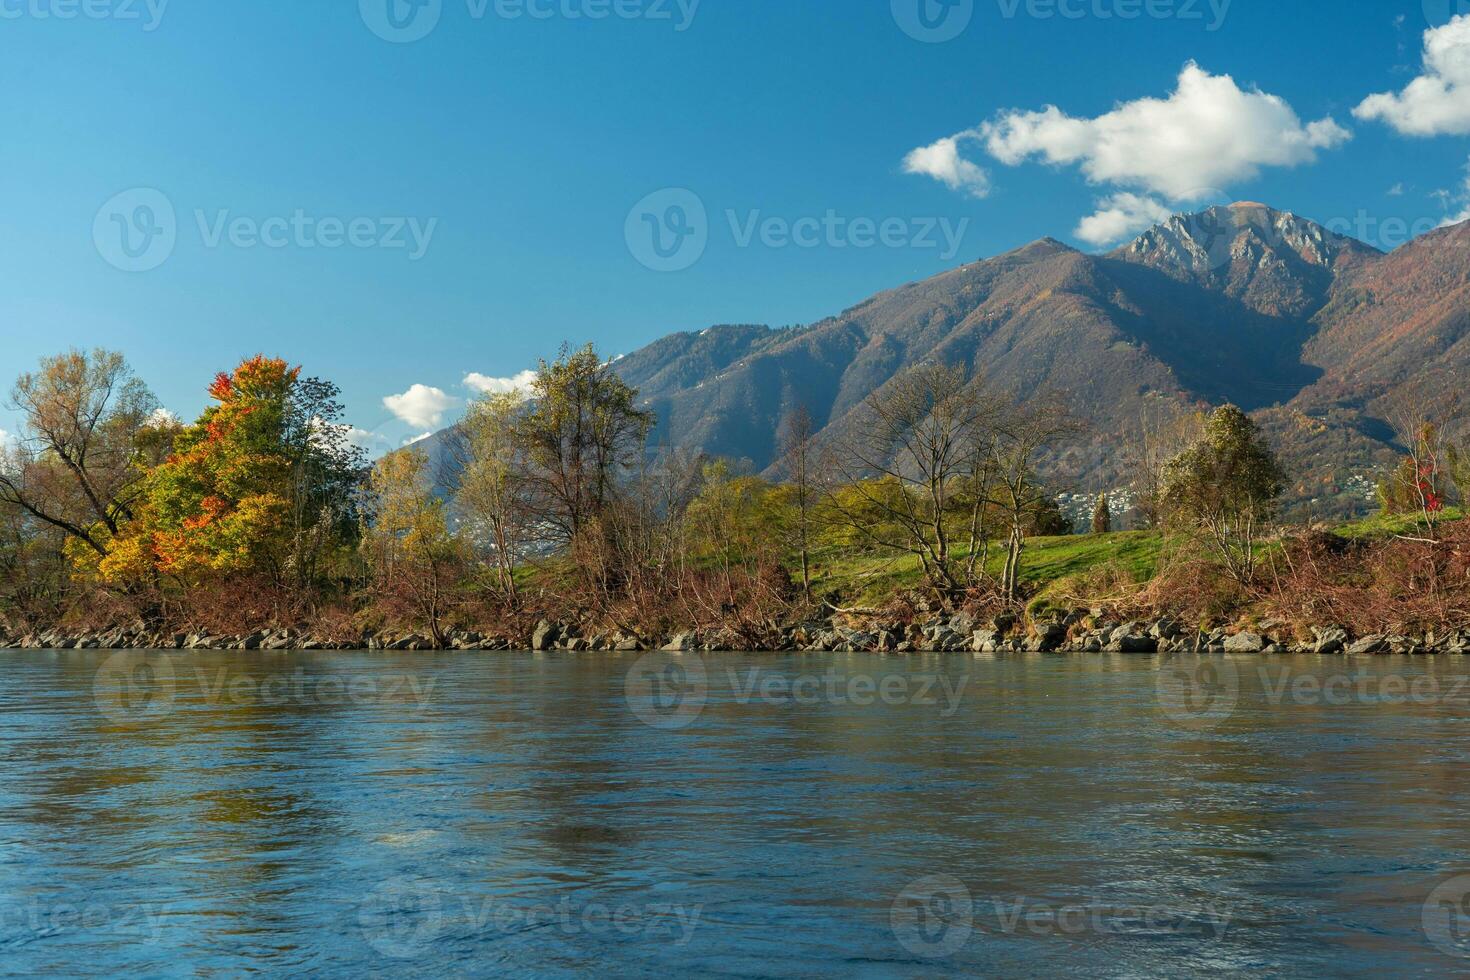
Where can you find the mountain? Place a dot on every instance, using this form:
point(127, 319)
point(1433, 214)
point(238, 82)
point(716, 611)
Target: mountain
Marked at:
point(1316, 333)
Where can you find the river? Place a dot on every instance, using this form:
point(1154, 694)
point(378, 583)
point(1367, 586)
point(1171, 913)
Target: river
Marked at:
point(732, 815)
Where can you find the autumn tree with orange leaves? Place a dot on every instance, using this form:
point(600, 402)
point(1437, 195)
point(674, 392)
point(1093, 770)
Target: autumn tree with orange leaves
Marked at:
point(262, 484)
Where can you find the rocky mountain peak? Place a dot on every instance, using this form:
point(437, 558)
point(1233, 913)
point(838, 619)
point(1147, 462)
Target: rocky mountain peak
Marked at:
point(1275, 261)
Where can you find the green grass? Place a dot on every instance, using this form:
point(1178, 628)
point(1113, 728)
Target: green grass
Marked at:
point(872, 579)
point(1383, 525)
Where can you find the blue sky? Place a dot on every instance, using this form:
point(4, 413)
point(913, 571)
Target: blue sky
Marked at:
point(462, 203)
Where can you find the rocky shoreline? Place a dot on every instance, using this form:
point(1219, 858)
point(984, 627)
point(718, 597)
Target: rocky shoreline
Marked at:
point(1081, 632)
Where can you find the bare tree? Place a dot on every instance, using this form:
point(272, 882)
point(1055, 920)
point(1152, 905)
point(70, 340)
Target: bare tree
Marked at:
point(76, 465)
point(919, 440)
point(1021, 435)
point(1164, 431)
point(492, 482)
point(1418, 484)
point(797, 455)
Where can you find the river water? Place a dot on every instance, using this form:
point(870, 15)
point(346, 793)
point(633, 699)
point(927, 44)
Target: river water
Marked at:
point(732, 815)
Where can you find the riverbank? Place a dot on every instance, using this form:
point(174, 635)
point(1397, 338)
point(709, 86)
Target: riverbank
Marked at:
point(1080, 632)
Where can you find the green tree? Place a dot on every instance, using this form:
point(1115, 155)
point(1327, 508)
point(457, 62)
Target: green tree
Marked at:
point(584, 430)
point(1102, 516)
point(1225, 487)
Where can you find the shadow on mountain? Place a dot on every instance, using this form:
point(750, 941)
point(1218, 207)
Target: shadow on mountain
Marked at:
point(1218, 347)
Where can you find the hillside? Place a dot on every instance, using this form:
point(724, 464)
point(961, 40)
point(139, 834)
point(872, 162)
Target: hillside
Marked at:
point(1316, 333)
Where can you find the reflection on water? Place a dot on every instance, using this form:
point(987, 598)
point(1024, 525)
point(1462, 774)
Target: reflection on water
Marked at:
point(440, 815)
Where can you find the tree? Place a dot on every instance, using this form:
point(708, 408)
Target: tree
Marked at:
point(492, 486)
point(1164, 431)
point(1102, 516)
point(796, 453)
point(33, 569)
point(1419, 484)
point(582, 432)
point(79, 462)
point(413, 558)
point(262, 483)
point(1225, 486)
point(326, 473)
point(926, 433)
point(1022, 433)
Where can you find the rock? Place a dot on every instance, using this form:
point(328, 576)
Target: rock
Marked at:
point(681, 643)
point(984, 641)
point(1329, 641)
point(629, 644)
point(1369, 645)
point(1245, 643)
point(1132, 643)
point(1050, 637)
point(545, 636)
point(1166, 629)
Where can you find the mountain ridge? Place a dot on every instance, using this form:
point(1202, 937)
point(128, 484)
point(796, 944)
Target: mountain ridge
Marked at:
point(1316, 333)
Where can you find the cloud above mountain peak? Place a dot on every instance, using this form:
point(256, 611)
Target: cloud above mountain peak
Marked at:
point(1437, 102)
point(1208, 134)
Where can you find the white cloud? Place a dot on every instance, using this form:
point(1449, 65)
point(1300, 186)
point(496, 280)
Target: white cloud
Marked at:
point(1438, 101)
point(363, 439)
point(6, 438)
point(1207, 134)
point(486, 385)
point(419, 438)
point(1459, 198)
point(1397, 190)
point(421, 406)
point(1121, 217)
point(943, 162)
point(162, 418)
